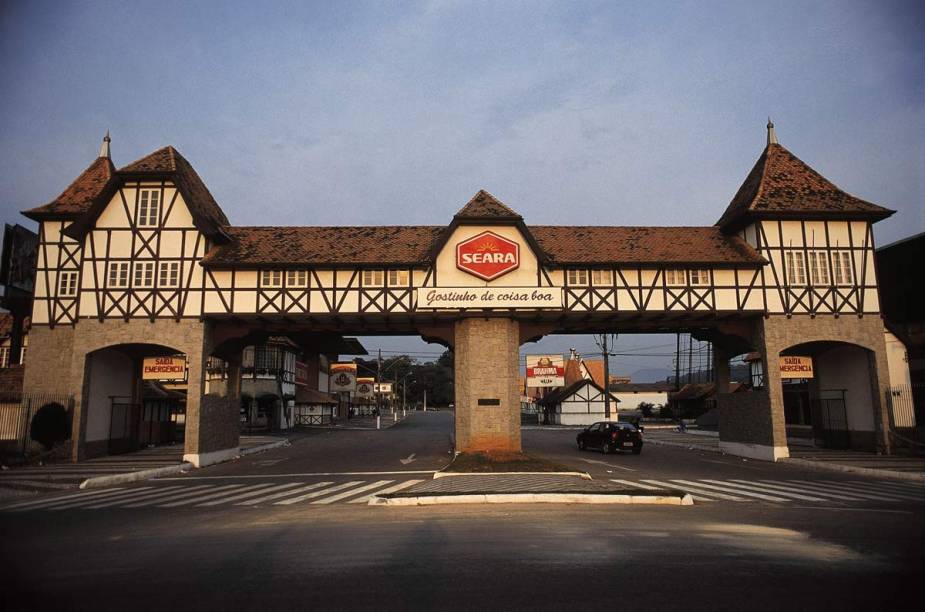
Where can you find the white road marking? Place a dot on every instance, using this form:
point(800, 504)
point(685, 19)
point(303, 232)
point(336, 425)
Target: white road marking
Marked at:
point(848, 488)
point(46, 500)
point(209, 495)
point(352, 492)
point(408, 460)
point(159, 496)
point(610, 465)
point(236, 496)
point(916, 492)
point(749, 485)
point(708, 495)
point(826, 487)
point(253, 502)
point(67, 504)
point(251, 476)
point(128, 497)
point(294, 500)
point(402, 485)
point(775, 484)
point(637, 485)
point(737, 491)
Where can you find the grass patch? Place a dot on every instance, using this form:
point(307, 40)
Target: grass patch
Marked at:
point(480, 463)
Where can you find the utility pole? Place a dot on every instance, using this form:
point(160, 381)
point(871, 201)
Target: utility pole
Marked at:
point(377, 387)
point(606, 378)
point(677, 362)
point(690, 357)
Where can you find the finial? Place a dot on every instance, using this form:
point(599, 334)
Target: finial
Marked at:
point(104, 148)
point(772, 135)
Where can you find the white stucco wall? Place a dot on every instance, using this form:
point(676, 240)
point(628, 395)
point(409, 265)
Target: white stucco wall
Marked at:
point(846, 367)
point(631, 401)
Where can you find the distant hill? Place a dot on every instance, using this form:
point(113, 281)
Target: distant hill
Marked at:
point(650, 375)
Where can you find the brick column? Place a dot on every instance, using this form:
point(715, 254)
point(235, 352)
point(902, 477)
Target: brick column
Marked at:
point(487, 353)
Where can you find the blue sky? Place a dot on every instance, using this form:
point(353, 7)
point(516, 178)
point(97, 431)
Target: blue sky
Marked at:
point(336, 113)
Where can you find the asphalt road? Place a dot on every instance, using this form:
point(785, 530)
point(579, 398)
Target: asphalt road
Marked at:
point(716, 555)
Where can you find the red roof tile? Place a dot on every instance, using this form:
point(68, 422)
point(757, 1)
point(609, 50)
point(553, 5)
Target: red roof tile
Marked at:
point(80, 195)
point(782, 184)
point(483, 205)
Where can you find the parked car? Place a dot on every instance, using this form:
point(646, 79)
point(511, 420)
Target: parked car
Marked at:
point(610, 437)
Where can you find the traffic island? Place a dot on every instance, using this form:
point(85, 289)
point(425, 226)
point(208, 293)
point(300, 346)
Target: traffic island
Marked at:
point(504, 463)
point(519, 488)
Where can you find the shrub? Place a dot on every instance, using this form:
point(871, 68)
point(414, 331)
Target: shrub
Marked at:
point(665, 412)
point(646, 409)
point(50, 425)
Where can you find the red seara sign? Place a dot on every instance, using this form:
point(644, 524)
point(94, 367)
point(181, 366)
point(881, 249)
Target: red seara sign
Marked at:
point(487, 255)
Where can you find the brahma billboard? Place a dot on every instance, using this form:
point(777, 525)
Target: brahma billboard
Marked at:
point(343, 377)
point(487, 255)
point(545, 371)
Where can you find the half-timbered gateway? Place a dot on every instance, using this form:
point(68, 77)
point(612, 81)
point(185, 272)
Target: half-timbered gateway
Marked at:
point(141, 261)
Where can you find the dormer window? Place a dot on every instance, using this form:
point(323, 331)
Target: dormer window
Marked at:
point(149, 206)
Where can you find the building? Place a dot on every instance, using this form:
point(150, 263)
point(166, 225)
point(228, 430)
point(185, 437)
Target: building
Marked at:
point(631, 394)
point(141, 262)
point(580, 403)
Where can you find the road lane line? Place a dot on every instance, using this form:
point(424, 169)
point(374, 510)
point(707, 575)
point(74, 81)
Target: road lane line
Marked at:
point(352, 492)
point(260, 500)
point(236, 496)
point(294, 500)
point(402, 485)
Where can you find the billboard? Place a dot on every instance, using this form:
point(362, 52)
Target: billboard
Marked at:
point(365, 387)
point(796, 367)
point(163, 368)
point(342, 377)
point(545, 371)
point(487, 255)
point(301, 374)
point(384, 388)
point(17, 261)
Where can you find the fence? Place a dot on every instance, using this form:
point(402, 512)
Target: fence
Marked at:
point(17, 412)
point(902, 400)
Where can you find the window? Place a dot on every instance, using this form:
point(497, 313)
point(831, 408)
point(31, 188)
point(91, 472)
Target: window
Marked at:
point(577, 277)
point(118, 274)
point(601, 277)
point(67, 284)
point(674, 277)
point(372, 278)
point(144, 274)
point(296, 278)
point(841, 268)
point(700, 277)
point(169, 275)
point(4, 356)
point(271, 278)
point(149, 205)
point(818, 268)
point(796, 268)
point(398, 278)
point(756, 372)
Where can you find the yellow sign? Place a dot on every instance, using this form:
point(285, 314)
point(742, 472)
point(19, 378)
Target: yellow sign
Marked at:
point(796, 367)
point(163, 368)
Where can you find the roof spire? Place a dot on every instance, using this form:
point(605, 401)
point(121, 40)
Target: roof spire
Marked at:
point(104, 148)
point(772, 135)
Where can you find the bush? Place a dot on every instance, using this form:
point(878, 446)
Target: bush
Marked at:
point(646, 409)
point(50, 425)
point(665, 412)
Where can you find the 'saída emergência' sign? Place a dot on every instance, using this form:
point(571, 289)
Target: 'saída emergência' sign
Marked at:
point(454, 298)
point(792, 366)
point(342, 377)
point(163, 368)
point(545, 371)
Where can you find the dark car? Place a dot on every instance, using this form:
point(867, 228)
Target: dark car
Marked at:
point(611, 437)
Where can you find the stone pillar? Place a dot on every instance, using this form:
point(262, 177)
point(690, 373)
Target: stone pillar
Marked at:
point(487, 354)
point(720, 369)
point(212, 429)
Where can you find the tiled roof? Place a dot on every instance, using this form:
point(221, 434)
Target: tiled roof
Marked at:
point(389, 245)
point(206, 212)
point(82, 193)
point(780, 183)
point(642, 245)
point(484, 205)
point(382, 245)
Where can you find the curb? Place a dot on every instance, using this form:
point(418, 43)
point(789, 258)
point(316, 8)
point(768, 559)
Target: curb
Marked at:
point(106, 481)
point(533, 498)
point(582, 475)
point(851, 469)
point(700, 447)
point(263, 447)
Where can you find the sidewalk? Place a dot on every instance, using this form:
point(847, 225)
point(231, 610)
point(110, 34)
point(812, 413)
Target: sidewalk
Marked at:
point(871, 464)
point(526, 488)
point(29, 479)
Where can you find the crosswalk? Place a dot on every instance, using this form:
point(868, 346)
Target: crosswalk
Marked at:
point(208, 496)
point(786, 491)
